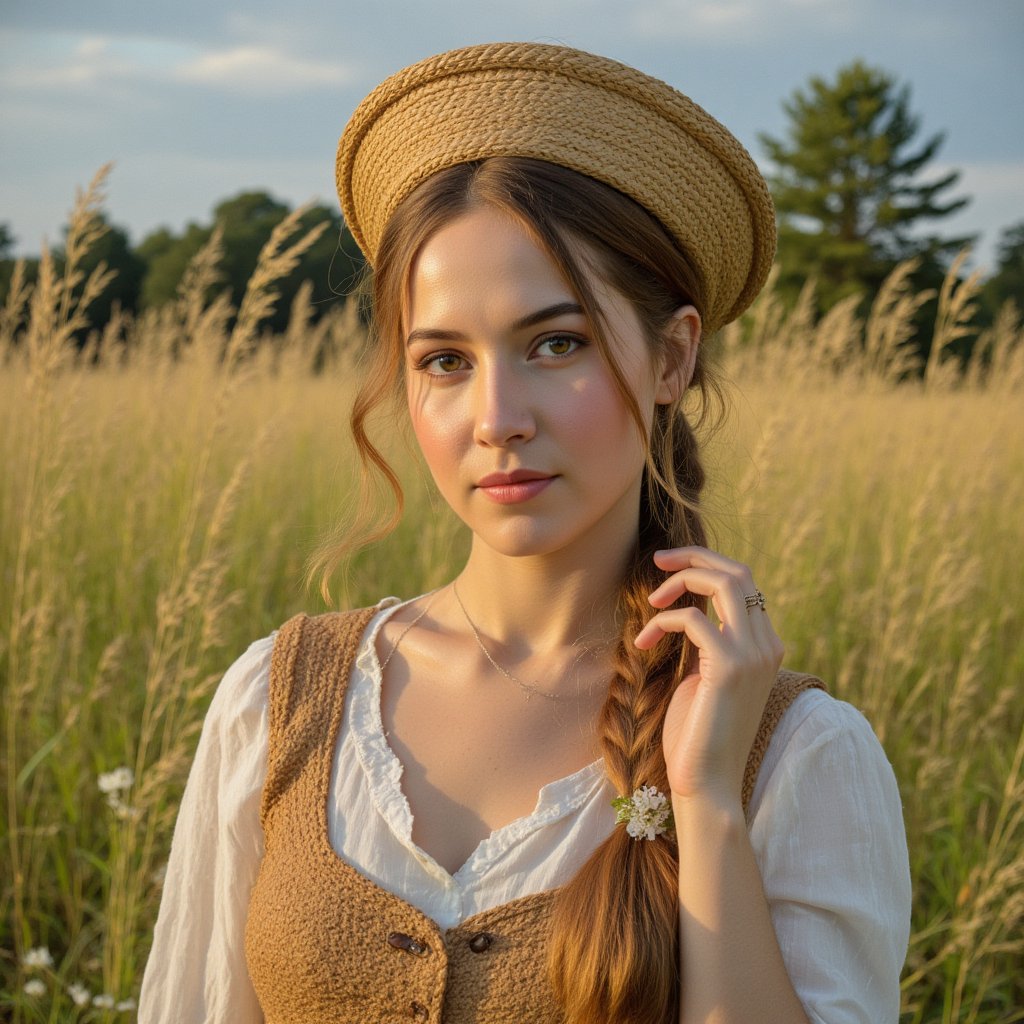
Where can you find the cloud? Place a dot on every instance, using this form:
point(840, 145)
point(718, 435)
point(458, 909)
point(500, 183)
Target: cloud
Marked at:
point(256, 69)
point(51, 62)
point(732, 21)
point(54, 62)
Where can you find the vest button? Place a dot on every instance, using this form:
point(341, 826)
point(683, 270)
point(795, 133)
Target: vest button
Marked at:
point(419, 1011)
point(407, 943)
point(481, 942)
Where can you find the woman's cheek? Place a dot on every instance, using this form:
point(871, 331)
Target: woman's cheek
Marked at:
point(597, 418)
point(437, 435)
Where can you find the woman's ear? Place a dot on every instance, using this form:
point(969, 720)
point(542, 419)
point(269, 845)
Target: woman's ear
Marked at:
point(682, 336)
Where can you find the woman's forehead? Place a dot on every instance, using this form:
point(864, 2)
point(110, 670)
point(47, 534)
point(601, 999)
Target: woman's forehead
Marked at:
point(484, 262)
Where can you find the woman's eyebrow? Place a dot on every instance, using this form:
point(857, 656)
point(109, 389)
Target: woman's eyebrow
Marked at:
point(530, 320)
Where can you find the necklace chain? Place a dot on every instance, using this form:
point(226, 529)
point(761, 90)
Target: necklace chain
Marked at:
point(401, 636)
point(527, 689)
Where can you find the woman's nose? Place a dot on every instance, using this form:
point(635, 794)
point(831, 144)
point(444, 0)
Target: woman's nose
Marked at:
point(503, 414)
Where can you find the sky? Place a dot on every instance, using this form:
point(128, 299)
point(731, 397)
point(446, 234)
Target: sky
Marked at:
point(196, 101)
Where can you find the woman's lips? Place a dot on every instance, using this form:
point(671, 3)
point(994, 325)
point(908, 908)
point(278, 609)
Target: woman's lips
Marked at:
point(511, 488)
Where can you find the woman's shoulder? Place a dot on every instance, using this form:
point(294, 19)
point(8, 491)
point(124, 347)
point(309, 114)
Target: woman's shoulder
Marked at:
point(815, 712)
point(354, 628)
point(246, 682)
point(247, 679)
point(329, 622)
point(260, 651)
point(826, 738)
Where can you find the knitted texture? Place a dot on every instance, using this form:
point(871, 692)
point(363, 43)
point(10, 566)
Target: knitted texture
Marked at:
point(787, 685)
point(325, 944)
point(578, 110)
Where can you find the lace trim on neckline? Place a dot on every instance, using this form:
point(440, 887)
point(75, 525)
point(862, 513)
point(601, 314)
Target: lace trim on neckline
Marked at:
point(383, 769)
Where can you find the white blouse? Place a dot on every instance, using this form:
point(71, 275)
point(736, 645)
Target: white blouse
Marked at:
point(825, 823)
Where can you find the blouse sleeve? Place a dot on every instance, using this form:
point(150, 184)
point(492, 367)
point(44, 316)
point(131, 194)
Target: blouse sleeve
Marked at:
point(196, 970)
point(829, 838)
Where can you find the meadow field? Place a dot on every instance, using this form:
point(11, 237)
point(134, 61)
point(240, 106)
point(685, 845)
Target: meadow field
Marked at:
point(162, 490)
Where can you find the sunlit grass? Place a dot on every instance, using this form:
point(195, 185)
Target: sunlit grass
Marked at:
point(159, 501)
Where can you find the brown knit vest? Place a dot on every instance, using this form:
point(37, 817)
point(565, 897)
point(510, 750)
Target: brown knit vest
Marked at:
point(324, 944)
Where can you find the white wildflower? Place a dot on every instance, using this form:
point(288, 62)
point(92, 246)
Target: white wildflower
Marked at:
point(104, 1002)
point(646, 814)
point(38, 957)
point(124, 811)
point(125, 1004)
point(118, 779)
point(35, 987)
point(79, 994)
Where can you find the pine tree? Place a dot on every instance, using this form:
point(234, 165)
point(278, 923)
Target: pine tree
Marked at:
point(1007, 281)
point(846, 186)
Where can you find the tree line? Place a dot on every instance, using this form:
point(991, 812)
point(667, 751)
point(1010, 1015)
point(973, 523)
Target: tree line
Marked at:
point(148, 275)
point(847, 177)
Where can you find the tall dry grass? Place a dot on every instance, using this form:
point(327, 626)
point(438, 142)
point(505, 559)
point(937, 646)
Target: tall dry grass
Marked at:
point(163, 487)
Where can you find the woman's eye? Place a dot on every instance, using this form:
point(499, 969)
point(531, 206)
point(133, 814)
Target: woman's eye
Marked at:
point(559, 345)
point(441, 364)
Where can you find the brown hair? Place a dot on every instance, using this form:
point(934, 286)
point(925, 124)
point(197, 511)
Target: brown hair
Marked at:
point(614, 954)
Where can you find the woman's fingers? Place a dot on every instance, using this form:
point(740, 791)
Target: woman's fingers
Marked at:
point(727, 583)
point(675, 559)
point(691, 621)
point(723, 589)
point(680, 558)
point(744, 637)
point(713, 716)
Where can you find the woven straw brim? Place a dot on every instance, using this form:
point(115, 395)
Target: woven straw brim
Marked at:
point(581, 111)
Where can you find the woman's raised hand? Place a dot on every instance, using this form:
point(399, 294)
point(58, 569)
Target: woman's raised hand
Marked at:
point(714, 714)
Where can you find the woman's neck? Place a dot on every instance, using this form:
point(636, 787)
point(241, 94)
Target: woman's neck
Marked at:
point(536, 606)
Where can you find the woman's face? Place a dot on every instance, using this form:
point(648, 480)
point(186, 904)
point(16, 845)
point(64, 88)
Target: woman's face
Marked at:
point(515, 409)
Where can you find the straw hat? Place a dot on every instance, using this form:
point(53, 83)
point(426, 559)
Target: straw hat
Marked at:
point(585, 112)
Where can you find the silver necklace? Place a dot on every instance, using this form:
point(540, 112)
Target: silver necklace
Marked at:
point(527, 689)
point(401, 636)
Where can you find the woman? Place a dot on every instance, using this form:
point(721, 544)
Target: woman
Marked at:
point(572, 784)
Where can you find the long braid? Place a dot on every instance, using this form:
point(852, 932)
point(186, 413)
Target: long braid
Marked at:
point(614, 940)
